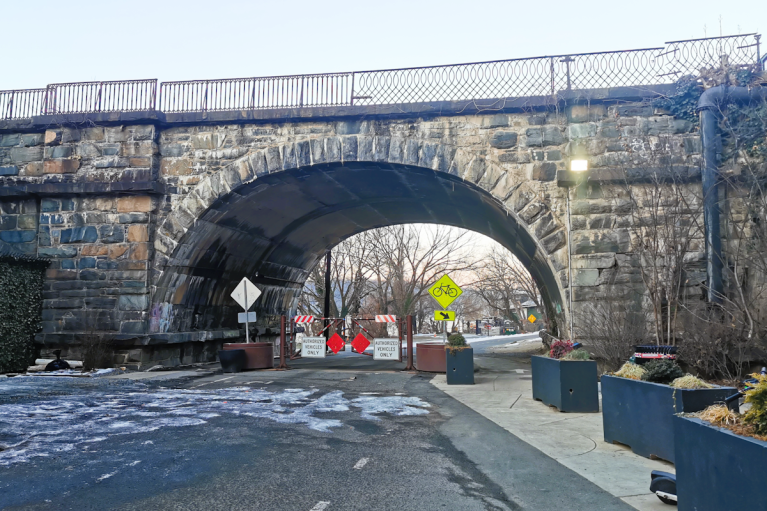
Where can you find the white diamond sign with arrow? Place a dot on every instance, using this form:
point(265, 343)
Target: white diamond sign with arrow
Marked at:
point(245, 294)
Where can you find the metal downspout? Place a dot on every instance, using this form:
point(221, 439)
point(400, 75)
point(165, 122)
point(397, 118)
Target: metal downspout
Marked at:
point(712, 101)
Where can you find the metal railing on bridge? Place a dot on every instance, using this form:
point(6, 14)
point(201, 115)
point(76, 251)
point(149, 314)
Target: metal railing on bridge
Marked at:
point(80, 98)
point(538, 76)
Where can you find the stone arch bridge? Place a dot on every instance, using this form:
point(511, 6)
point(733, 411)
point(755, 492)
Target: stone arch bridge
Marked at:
point(149, 218)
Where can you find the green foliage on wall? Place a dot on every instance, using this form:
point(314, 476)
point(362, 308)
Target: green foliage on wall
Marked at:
point(683, 104)
point(744, 128)
point(21, 296)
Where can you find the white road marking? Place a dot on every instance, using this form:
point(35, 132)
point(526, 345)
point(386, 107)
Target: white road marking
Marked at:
point(107, 476)
point(361, 463)
point(520, 371)
point(320, 506)
point(214, 381)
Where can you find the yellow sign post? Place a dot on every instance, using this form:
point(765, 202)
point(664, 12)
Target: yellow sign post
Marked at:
point(445, 291)
point(444, 315)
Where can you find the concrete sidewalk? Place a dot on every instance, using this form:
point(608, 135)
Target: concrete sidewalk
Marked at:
point(503, 394)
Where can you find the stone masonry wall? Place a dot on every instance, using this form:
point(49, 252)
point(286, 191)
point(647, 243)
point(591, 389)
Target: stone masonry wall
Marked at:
point(116, 185)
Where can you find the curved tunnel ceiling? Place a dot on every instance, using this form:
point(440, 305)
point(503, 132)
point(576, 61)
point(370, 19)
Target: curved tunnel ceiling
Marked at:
point(274, 229)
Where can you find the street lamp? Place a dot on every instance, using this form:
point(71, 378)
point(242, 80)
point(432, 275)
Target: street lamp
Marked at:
point(579, 165)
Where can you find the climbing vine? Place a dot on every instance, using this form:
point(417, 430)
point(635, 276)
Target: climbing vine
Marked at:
point(683, 103)
point(21, 294)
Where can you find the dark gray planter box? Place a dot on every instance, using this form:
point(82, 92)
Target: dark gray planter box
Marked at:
point(639, 414)
point(460, 366)
point(569, 385)
point(717, 469)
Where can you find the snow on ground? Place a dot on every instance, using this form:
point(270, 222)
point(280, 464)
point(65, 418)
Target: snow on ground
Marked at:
point(48, 426)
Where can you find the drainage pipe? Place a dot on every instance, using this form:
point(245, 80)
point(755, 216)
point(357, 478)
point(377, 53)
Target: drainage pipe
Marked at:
point(710, 103)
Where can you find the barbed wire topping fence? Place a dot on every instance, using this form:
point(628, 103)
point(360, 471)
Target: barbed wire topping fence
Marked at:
point(538, 76)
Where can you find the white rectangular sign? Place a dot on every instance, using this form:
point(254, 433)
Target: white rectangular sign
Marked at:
point(313, 347)
point(250, 319)
point(386, 349)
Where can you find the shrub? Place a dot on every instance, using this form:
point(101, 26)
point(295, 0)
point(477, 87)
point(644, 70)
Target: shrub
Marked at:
point(579, 354)
point(456, 340)
point(560, 348)
point(662, 371)
point(631, 371)
point(756, 416)
point(21, 298)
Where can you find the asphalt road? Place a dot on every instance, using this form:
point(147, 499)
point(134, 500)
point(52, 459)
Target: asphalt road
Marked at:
point(356, 436)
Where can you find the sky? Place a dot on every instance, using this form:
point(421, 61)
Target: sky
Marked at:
point(83, 40)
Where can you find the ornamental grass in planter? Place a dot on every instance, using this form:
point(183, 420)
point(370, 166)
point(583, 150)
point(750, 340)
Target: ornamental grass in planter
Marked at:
point(566, 379)
point(459, 361)
point(639, 403)
point(721, 456)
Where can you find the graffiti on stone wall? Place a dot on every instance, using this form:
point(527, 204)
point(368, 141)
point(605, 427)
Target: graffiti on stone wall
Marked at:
point(161, 318)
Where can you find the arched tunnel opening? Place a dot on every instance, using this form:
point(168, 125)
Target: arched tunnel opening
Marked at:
point(275, 229)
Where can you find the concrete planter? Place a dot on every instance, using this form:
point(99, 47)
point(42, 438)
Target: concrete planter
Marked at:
point(430, 357)
point(639, 414)
point(258, 355)
point(717, 469)
point(460, 366)
point(569, 385)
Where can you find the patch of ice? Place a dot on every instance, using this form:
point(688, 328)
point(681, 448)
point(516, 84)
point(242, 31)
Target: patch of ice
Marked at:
point(105, 476)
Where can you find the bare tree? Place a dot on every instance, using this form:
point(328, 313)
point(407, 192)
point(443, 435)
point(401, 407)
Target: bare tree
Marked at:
point(409, 258)
point(665, 224)
point(504, 285)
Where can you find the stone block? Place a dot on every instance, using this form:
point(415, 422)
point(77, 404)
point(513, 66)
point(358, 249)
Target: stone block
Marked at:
point(10, 140)
point(34, 169)
point(89, 275)
point(133, 302)
point(8, 222)
point(18, 236)
point(61, 166)
point(26, 154)
point(585, 130)
point(554, 155)
point(112, 233)
point(543, 171)
point(86, 263)
point(50, 205)
point(69, 135)
point(503, 139)
point(31, 139)
point(585, 113)
point(79, 235)
point(57, 252)
point(143, 161)
point(108, 162)
point(173, 150)
point(592, 261)
point(545, 136)
point(94, 250)
point(63, 151)
point(175, 167)
point(134, 204)
point(133, 327)
point(68, 264)
point(9, 170)
point(116, 251)
point(140, 252)
point(51, 219)
point(133, 218)
point(138, 233)
point(205, 141)
point(52, 137)
point(585, 277)
point(27, 221)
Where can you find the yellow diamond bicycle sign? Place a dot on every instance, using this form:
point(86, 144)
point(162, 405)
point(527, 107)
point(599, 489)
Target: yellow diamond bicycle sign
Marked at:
point(445, 291)
point(531, 318)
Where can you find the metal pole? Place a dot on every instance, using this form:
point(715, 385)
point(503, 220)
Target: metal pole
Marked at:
point(326, 307)
point(283, 365)
point(409, 366)
point(247, 334)
point(399, 328)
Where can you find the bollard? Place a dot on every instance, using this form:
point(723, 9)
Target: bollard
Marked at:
point(283, 365)
point(409, 366)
